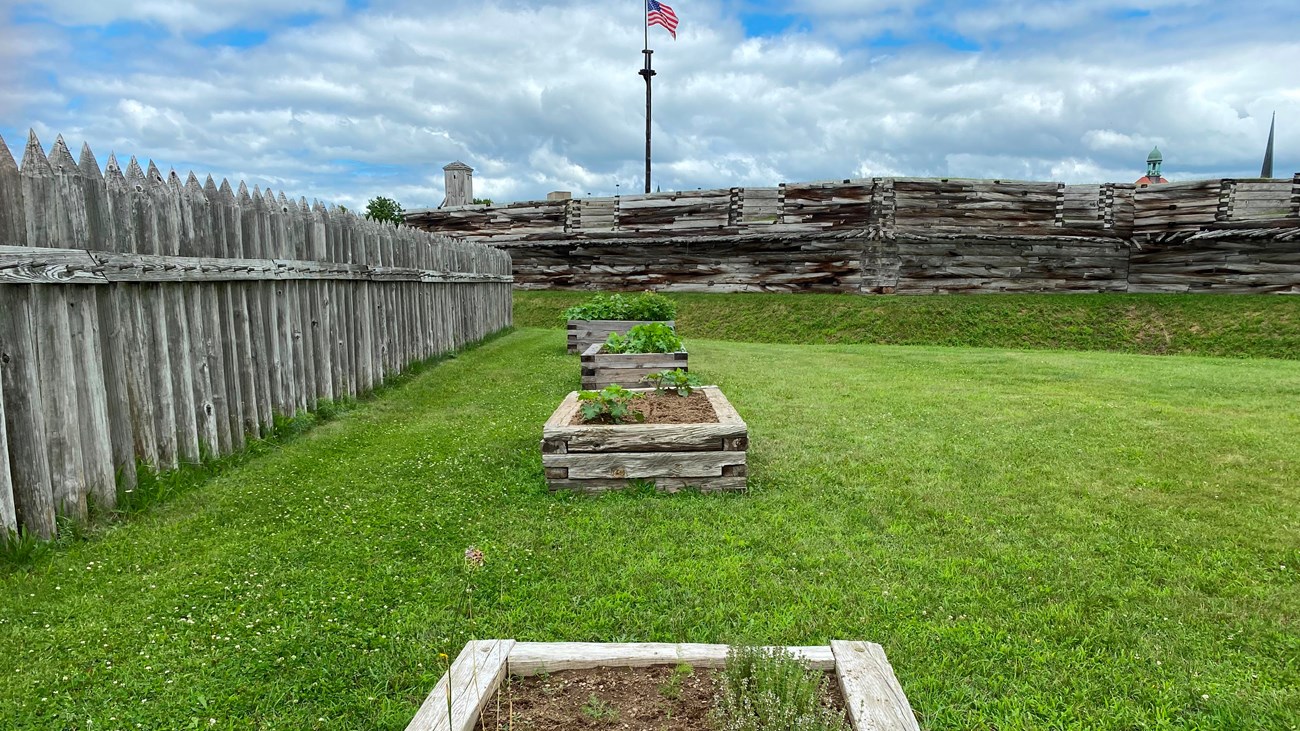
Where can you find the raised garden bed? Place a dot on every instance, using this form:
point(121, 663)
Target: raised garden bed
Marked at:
point(585, 333)
point(865, 681)
point(601, 369)
point(708, 455)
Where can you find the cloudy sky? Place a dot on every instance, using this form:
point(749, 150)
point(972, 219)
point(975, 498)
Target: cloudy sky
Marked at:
point(346, 99)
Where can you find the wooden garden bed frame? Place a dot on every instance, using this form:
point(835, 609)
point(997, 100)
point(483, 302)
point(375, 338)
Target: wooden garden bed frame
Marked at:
point(599, 457)
point(873, 696)
point(585, 333)
point(601, 369)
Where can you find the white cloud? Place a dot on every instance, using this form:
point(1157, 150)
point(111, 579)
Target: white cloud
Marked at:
point(183, 16)
point(537, 99)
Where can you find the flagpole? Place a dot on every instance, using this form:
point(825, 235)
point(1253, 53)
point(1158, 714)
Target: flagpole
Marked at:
point(647, 72)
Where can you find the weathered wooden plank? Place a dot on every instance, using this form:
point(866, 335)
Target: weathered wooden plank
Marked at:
point(25, 265)
point(361, 370)
point(153, 321)
point(582, 334)
point(8, 509)
point(175, 324)
point(268, 319)
point(239, 358)
point(290, 227)
point(113, 309)
point(652, 437)
point(223, 346)
point(215, 338)
point(133, 303)
point(339, 293)
point(727, 414)
point(47, 222)
point(24, 411)
point(261, 319)
point(670, 485)
point(642, 464)
point(872, 694)
point(24, 473)
point(323, 387)
point(83, 319)
point(283, 369)
point(463, 692)
point(534, 658)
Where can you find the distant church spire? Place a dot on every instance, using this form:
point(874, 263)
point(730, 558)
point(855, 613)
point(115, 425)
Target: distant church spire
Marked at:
point(1267, 170)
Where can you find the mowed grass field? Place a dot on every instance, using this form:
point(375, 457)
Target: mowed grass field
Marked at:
point(1230, 326)
point(1040, 540)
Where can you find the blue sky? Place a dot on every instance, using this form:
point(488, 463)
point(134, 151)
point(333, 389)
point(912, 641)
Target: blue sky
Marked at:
point(346, 99)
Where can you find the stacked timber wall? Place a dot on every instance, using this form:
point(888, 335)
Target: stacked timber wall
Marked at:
point(905, 235)
point(146, 318)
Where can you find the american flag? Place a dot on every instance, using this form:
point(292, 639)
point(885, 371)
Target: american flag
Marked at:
point(658, 13)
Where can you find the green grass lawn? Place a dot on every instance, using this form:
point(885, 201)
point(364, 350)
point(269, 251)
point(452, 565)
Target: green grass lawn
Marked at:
point(1235, 326)
point(1040, 540)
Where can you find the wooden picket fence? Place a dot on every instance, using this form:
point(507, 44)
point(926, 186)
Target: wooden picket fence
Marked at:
point(145, 318)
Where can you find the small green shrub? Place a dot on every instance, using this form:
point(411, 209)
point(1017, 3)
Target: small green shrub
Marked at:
point(645, 306)
point(652, 337)
point(613, 404)
point(770, 690)
point(678, 381)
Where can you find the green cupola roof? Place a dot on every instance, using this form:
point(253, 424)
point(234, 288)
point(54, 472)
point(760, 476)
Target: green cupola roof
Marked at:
point(1155, 155)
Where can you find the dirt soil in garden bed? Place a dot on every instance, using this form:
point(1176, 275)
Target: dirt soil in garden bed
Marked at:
point(629, 699)
point(668, 408)
point(660, 698)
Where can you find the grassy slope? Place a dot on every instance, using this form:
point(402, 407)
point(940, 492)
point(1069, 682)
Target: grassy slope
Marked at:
point(1040, 540)
point(1219, 325)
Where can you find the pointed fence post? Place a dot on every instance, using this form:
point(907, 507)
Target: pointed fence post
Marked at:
point(324, 340)
point(84, 327)
point(191, 244)
point(135, 332)
point(167, 215)
point(225, 363)
point(241, 304)
point(24, 416)
point(113, 309)
point(46, 224)
point(261, 300)
point(153, 319)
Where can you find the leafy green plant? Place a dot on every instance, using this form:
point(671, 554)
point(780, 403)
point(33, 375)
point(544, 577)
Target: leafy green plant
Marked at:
point(678, 381)
point(652, 337)
point(612, 404)
point(645, 306)
point(770, 690)
point(385, 210)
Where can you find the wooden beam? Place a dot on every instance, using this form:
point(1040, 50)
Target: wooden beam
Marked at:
point(29, 265)
point(873, 696)
point(532, 658)
point(467, 687)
